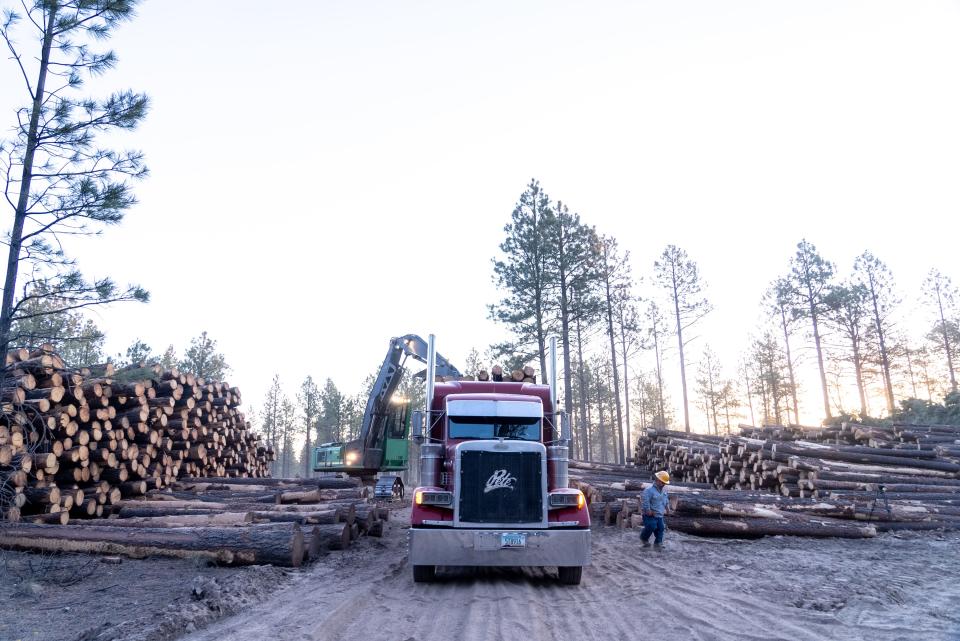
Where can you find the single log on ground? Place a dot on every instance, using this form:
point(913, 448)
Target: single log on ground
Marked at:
point(328, 537)
point(689, 505)
point(277, 543)
point(218, 519)
point(315, 496)
point(321, 483)
point(893, 526)
point(328, 517)
point(754, 528)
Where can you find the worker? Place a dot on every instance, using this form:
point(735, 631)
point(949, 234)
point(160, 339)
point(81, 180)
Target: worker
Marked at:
point(653, 505)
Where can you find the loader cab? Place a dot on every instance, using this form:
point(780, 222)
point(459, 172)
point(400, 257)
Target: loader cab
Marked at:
point(392, 443)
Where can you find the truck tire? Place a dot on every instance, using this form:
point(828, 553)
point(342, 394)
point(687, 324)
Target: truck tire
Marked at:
point(424, 573)
point(571, 575)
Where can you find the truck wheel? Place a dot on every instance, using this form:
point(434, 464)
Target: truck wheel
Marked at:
point(571, 575)
point(424, 573)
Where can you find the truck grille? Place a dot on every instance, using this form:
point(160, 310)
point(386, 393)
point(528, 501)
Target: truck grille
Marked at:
point(500, 487)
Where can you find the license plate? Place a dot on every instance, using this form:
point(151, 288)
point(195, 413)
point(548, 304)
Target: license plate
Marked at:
point(513, 540)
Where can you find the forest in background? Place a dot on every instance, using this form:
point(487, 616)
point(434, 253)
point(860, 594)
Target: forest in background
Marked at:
point(632, 355)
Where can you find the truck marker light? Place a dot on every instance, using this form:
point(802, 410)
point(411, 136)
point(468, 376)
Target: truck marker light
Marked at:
point(419, 498)
point(581, 500)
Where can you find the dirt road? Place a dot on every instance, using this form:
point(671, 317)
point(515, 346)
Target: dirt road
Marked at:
point(777, 588)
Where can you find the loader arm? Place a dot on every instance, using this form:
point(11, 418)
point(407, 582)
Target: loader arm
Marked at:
point(370, 441)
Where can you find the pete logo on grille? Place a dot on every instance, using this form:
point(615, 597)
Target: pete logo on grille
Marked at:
point(499, 480)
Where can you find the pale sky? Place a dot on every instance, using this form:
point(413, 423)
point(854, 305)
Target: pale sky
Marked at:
point(326, 175)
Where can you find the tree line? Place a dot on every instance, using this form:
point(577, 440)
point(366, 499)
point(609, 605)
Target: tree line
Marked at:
point(557, 274)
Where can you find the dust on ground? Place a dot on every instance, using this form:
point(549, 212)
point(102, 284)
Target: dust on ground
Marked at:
point(75, 597)
point(897, 586)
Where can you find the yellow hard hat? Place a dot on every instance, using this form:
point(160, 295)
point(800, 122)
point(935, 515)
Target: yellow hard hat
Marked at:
point(663, 476)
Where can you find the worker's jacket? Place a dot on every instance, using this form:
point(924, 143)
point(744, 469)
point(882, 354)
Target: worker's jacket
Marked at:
point(654, 499)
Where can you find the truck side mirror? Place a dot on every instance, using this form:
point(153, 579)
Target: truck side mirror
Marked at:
point(417, 425)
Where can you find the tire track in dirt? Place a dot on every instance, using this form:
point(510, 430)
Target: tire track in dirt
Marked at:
point(696, 589)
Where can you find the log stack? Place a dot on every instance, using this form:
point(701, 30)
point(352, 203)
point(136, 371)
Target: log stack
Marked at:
point(74, 443)
point(230, 521)
point(896, 477)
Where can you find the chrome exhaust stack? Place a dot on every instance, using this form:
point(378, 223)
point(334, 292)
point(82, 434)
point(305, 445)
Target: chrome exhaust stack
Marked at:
point(558, 455)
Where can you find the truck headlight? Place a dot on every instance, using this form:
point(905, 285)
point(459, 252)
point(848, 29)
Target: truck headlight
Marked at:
point(567, 499)
point(433, 497)
point(351, 458)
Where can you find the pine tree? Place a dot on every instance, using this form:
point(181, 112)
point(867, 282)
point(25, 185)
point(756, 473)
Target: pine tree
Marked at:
point(777, 300)
point(59, 180)
point(524, 273)
point(331, 429)
point(872, 274)
point(310, 405)
point(680, 278)
point(203, 360)
point(848, 310)
point(810, 278)
point(941, 295)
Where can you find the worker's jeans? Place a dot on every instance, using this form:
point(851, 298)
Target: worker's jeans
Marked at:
point(653, 525)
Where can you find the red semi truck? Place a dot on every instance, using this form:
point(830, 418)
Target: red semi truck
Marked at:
point(493, 479)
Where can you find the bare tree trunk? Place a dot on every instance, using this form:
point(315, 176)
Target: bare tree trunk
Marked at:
point(913, 381)
point(683, 366)
point(884, 357)
point(26, 179)
point(626, 381)
point(584, 406)
point(618, 427)
point(858, 372)
point(643, 411)
point(946, 344)
point(746, 377)
point(656, 352)
point(816, 340)
point(713, 401)
point(793, 380)
point(602, 427)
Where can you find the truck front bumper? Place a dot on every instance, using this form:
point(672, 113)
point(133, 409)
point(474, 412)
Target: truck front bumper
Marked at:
point(461, 546)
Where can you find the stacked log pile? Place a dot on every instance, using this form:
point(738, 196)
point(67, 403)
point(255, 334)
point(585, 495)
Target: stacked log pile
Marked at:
point(895, 477)
point(74, 443)
point(232, 521)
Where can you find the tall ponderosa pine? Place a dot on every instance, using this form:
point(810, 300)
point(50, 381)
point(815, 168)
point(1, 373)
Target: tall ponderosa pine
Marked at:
point(627, 319)
point(271, 417)
point(656, 330)
point(873, 274)
point(524, 272)
point(941, 294)
point(571, 260)
point(680, 279)
point(333, 414)
point(778, 302)
point(587, 311)
point(614, 270)
point(58, 181)
point(309, 401)
point(848, 309)
point(709, 385)
point(770, 381)
point(810, 276)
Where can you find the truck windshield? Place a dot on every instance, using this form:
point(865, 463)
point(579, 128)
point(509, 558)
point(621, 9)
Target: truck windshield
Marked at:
point(525, 428)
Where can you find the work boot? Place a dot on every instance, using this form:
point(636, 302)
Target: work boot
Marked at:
point(645, 544)
point(658, 547)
